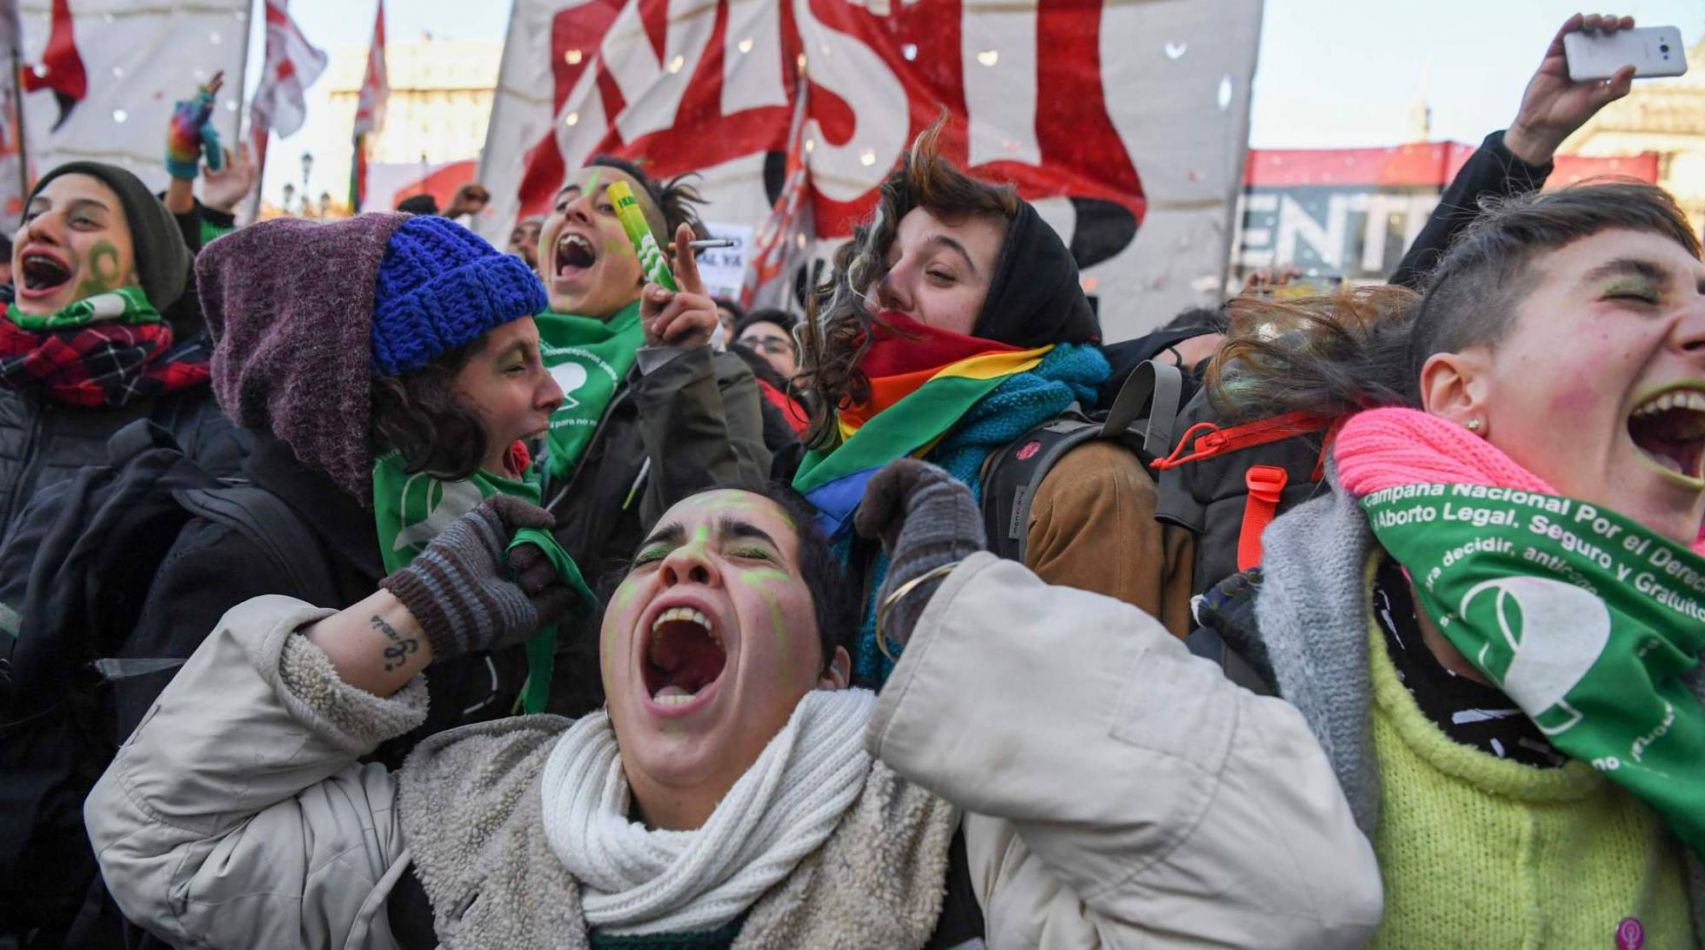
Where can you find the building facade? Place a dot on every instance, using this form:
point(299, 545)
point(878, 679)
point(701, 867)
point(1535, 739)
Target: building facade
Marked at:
point(440, 103)
point(1665, 116)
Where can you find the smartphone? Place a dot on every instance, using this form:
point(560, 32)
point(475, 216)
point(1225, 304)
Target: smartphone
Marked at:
point(1651, 50)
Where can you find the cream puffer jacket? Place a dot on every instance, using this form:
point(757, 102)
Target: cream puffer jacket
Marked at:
point(1116, 790)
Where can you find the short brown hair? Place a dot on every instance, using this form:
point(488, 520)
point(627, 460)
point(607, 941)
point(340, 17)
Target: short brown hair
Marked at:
point(1365, 347)
point(1471, 296)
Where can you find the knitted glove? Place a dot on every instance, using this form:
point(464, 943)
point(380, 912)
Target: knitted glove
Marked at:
point(460, 590)
point(926, 519)
point(189, 134)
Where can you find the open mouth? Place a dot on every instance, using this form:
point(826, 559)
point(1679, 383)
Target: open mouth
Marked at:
point(683, 656)
point(1669, 430)
point(574, 254)
point(42, 273)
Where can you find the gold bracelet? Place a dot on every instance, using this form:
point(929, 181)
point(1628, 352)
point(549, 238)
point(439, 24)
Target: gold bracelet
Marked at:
point(894, 598)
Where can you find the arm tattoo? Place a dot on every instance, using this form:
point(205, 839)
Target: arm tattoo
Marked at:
point(400, 646)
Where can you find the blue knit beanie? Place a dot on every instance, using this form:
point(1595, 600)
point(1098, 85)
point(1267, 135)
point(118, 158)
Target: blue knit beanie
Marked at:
point(442, 286)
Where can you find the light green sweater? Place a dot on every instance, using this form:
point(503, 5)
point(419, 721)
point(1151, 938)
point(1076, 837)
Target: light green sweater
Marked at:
point(1483, 852)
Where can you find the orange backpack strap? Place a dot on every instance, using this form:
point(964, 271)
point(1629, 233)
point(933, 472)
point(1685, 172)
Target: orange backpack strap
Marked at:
point(1266, 485)
point(1205, 440)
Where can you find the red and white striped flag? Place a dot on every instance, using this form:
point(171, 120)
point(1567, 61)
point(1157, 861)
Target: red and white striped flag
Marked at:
point(783, 243)
point(369, 110)
point(292, 65)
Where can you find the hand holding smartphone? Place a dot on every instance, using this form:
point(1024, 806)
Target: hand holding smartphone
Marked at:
point(1652, 51)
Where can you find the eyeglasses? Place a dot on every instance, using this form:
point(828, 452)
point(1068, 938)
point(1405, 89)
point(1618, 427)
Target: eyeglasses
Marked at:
point(776, 345)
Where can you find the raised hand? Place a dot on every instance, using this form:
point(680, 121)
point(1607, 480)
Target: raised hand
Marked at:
point(927, 521)
point(225, 188)
point(471, 198)
point(190, 133)
point(685, 317)
point(1554, 105)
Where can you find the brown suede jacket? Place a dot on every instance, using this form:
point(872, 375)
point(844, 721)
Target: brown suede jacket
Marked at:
point(1092, 527)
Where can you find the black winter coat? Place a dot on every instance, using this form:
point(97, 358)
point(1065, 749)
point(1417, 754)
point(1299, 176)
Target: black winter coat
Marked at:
point(212, 568)
point(1493, 171)
point(43, 441)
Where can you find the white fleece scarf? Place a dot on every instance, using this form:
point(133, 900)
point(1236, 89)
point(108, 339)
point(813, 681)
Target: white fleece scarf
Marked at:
point(639, 880)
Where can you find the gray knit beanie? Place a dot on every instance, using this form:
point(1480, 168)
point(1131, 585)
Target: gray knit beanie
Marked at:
point(162, 258)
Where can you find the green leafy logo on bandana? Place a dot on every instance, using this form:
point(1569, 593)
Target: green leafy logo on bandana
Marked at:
point(426, 506)
point(1588, 620)
point(569, 376)
point(1551, 633)
point(588, 358)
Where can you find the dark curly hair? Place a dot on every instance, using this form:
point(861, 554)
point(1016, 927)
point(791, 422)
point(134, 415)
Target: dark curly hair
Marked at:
point(836, 333)
point(418, 414)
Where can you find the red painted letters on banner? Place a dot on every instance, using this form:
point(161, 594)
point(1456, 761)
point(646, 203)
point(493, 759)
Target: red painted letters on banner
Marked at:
point(690, 92)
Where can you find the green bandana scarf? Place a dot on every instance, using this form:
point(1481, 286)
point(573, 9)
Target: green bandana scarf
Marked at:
point(589, 359)
point(126, 305)
point(411, 510)
point(1586, 619)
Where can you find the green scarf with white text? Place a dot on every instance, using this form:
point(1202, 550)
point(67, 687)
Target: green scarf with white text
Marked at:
point(1587, 619)
point(589, 359)
point(126, 305)
point(410, 510)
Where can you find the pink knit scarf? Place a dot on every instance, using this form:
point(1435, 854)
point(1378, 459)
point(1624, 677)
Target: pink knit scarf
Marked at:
point(1384, 448)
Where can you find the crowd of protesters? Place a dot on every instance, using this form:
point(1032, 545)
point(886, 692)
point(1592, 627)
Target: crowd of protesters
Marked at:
point(368, 586)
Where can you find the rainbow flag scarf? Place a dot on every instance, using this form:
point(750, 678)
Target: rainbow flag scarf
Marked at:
point(930, 379)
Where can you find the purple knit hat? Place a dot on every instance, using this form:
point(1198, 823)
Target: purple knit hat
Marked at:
point(290, 305)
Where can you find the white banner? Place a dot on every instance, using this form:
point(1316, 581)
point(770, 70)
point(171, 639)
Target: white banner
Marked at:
point(101, 76)
point(724, 267)
point(1126, 123)
point(12, 166)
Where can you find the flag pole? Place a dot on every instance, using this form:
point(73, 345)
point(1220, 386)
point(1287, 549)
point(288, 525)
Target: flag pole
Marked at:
point(17, 65)
point(261, 139)
point(256, 138)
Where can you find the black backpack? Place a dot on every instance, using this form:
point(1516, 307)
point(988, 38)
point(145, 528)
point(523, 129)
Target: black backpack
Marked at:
point(1225, 484)
point(73, 578)
point(1141, 418)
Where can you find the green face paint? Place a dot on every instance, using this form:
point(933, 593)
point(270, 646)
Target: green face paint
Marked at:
point(778, 628)
point(103, 270)
point(760, 580)
point(765, 575)
point(618, 605)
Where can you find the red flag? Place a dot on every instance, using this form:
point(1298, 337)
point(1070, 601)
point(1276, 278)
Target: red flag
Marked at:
point(369, 110)
point(61, 67)
point(784, 240)
point(292, 65)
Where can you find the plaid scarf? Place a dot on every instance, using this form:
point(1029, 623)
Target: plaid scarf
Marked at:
point(103, 351)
